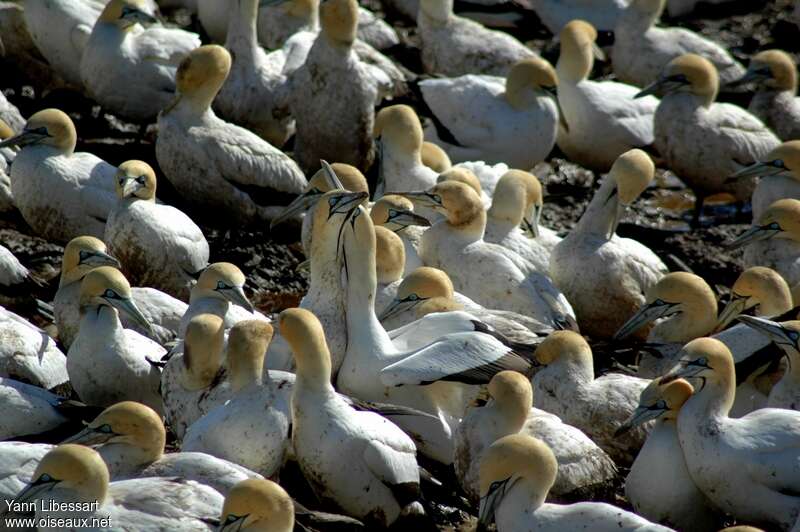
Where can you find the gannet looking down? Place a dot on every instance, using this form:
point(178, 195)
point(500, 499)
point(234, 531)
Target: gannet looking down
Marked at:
point(758, 288)
point(593, 106)
point(80, 186)
point(516, 474)
point(257, 504)
point(31, 410)
point(28, 354)
point(628, 268)
point(214, 164)
point(396, 213)
point(158, 245)
point(399, 134)
point(700, 140)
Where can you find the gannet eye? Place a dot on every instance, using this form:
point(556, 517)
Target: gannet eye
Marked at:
point(778, 163)
point(333, 201)
point(83, 255)
point(661, 405)
point(659, 302)
point(122, 180)
point(680, 78)
point(221, 285)
point(105, 429)
point(140, 179)
point(231, 518)
point(794, 335)
point(437, 198)
point(412, 297)
point(393, 213)
point(110, 294)
point(774, 226)
point(44, 478)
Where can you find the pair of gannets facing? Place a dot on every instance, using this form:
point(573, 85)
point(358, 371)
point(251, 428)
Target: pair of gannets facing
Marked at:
point(80, 186)
point(699, 139)
point(516, 474)
point(28, 354)
point(129, 69)
point(628, 267)
point(641, 50)
point(214, 164)
point(779, 170)
point(592, 106)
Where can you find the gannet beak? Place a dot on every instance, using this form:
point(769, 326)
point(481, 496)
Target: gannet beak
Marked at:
point(98, 258)
point(406, 218)
point(490, 502)
point(303, 266)
point(753, 75)
point(754, 234)
point(773, 330)
point(347, 203)
point(423, 198)
point(565, 322)
point(233, 522)
point(27, 137)
point(764, 169)
point(134, 15)
point(642, 414)
point(332, 178)
point(130, 187)
point(646, 314)
point(128, 307)
point(235, 294)
point(618, 214)
point(89, 436)
point(662, 86)
point(598, 53)
point(734, 307)
point(562, 119)
point(397, 306)
point(531, 226)
point(33, 490)
point(297, 206)
point(685, 370)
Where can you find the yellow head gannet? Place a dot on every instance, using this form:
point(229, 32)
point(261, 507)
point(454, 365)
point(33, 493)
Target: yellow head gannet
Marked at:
point(567, 387)
point(514, 121)
point(359, 460)
point(659, 486)
point(130, 69)
point(760, 288)
point(80, 186)
point(76, 474)
point(390, 258)
point(257, 505)
point(399, 133)
point(780, 173)
point(30, 410)
point(590, 107)
point(642, 49)
point(699, 139)
point(28, 354)
point(214, 164)
point(516, 474)
point(396, 213)
point(602, 304)
point(107, 363)
point(455, 46)
point(158, 245)
point(435, 157)
point(584, 468)
point(748, 467)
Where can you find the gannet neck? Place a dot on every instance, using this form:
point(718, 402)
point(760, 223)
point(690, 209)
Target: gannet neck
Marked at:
point(436, 11)
point(568, 354)
point(303, 331)
point(203, 350)
point(101, 318)
point(247, 345)
point(524, 494)
point(513, 396)
point(713, 401)
point(200, 77)
point(576, 58)
point(598, 219)
point(242, 37)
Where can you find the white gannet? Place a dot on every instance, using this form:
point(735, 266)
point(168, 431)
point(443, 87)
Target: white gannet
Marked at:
point(748, 467)
point(516, 474)
point(7, 156)
point(107, 363)
point(18, 461)
point(213, 164)
point(28, 354)
point(399, 135)
point(567, 387)
point(659, 486)
point(29, 410)
point(257, 504)
point(396, 213)
point(455, 46)
point(626, 268)
point(590, 107)
point(129, 69)
point(158, 245)
point(584, 470)
point(83, 254)
point(360, 461)
point(435, 158)
point(512, 120)
point(758, 288)
point(76, 474)
point(703, 141)
point(779, 179)
point(642, 49)
point(390, 258)
point(80, 186)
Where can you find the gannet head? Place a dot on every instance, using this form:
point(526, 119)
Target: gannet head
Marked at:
point(780, 220)
point(513, 395)
point(517, 200)
point(399, 130)
point(688, 73)
point(528, 79)
point(462, 175)
point(200, 76)
point(330, 208)
point(439, 11)
point(136, 179)
point(390, 255)
point(783, 160)
point(203, 349)
point(257, 505)
point(128, 423)
point(124, 14)
point(658, 401)
point(49, 127)
point(303, 331)
point(75, 468)
point(339, 21)
point(248, 341)
point(396, 213)
point(434, 157)
point(421, 285)
point(511, 460)
point(710, 362)
point(567, 346)
point(458, 202)
point(223, 280)
point(106, 286)
point(773, 69)
point(578, 50)
point(757, 286)
point(784, 334)
point(632, 172)
point(81, 255)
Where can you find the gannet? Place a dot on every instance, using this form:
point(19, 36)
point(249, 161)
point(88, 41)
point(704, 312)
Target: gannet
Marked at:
point(567, 387)
point(30, 410)
point(390, 258)
point(592, 106)
point(257, 504)
point(28, 354)
point(659, 486)
point(80, 186)
point(107, 363)
point(76, 474)
point(641, 49)
point(700, 140)
point(399, 133)
point(158, 245)
point(516, 474)
point(455, 46)
point(396, 213)
point(18, 284)
point(512, 120)
point(748, 467)
point(629, 268)
point(85, 253)
point(758, 288)
point(465, 175)
point(129, 69)
point(778, 178)
point(435, 157)
point(7, 156)
point(362, 462)
point(584, 469)
point(213, 164)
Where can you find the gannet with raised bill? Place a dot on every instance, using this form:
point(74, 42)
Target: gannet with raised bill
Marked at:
point(107, 363)
point(512, 120)
point(360, 461)
point(257, 504)
point(80, 186)
point(748, 467)
point(628, 268)
point(701, 140)
point(215, 165)
point(30, 410)
point(77, 475)
point(516, 474)
point(396, 214)
point(779, 179)
point(659, 486)
point(589, 107)
point(399, 135)
point(28, 354)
